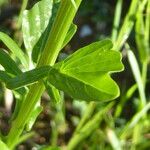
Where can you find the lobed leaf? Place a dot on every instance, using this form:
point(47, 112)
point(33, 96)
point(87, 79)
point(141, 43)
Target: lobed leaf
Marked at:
point(85, 75)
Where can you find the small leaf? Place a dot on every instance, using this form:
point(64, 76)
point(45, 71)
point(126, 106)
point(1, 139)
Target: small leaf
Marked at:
point(28, 77)
point(9, 65)
point(35, 22)
point(15, 49)
point(70, 34)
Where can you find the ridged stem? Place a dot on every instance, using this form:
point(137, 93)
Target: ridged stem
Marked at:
point(55, 40)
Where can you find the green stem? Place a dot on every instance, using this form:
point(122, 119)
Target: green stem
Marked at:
point(55, 40)
point(59, 31)
point(18, 124)
point(116, 23)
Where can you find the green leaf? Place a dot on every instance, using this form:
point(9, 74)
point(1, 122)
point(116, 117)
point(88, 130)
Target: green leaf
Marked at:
point(102, 45)
point(3, 146)
point(70, 34)
point(4, 77)
point(93, 61)
point(35, 22)
point(85, 75)
point(15, 49)
point(28, 77)
point(9, 65)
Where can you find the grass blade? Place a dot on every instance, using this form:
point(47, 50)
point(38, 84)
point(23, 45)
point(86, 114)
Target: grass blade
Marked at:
point(137, 75)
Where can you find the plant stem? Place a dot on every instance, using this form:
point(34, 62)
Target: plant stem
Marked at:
point(18, 124)
point(116, 20)
point(55, 40)
point(58, 33)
